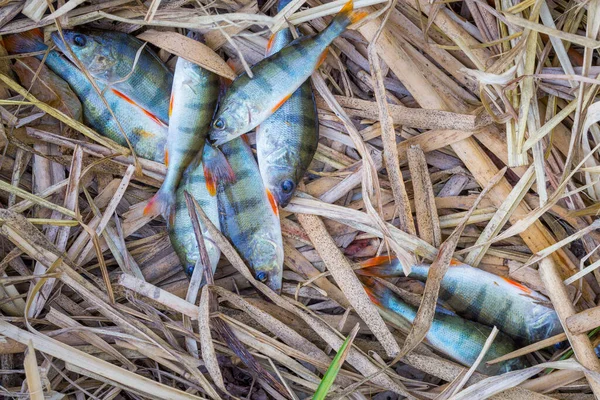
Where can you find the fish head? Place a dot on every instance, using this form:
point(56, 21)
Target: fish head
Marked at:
point(282, 173)
point(96, 50)
point(267, 262)
point(232, 120)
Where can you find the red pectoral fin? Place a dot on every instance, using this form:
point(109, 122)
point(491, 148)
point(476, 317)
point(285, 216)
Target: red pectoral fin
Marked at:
point(281, 102)
point(375, 261)
point(166, 157)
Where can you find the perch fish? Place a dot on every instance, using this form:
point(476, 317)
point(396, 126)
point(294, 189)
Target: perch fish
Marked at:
point(450, 334)
point(483, 297)
point(249, 217)
point(193, 99)
point(122, 63)
point(250, 101)
point(286, 141)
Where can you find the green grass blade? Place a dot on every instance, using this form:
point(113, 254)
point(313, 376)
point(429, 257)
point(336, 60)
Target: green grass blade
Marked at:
point(335, 366)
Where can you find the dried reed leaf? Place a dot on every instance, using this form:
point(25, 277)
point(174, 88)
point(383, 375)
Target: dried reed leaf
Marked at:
point(190, 49)
point(34, 381)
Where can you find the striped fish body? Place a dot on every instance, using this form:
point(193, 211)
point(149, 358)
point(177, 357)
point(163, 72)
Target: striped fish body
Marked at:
point(181, 231)
point(112, 59)
point(488, 299)
point(450, 334)
point(147, 136)
point(248, 218)
point(192, 105)
point(286, 142)
point(250, 101)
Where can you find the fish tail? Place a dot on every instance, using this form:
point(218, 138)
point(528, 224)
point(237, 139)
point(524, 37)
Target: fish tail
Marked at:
point(346, 17)
point(162, 203)
point(216, 169)
point(25, 42)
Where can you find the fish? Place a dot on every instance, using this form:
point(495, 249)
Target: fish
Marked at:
point(286, 142)
point(249, 217)
point(481, 296)
point(180, 228)
point(148, 139)
point(146, 135)
point(193, 100)
point(112, 58)
point(458, 338)
point(250, 101)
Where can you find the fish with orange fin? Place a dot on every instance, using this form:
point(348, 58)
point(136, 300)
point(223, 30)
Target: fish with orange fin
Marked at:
point(481, 296)
point(121, 63)
point(148, 138)
point(193, 99)
point(146, 135)
point(450, 334)
point(287, 141)
point(250, 101)
point(249, 217)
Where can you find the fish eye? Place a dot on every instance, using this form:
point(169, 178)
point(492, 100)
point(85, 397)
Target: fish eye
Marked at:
point(261, 276)
point(79, 40)
point(189, 270)
point(219, 124)
point(287, 186)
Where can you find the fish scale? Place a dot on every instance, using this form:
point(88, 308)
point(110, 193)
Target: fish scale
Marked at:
point(250, 101)
point(248, 218)
point(450, 334)
point(110, 57)
point(287, 141)
point(484, 297)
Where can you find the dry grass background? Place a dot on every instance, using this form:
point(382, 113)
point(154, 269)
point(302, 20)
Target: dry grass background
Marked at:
point(421, 107)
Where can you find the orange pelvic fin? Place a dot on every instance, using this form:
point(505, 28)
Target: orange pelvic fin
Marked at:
point(166, 157)
point(517, 285)
point(273, 202)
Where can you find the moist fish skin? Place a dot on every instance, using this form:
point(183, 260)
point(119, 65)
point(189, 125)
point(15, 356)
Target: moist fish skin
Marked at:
point(250, 101)
point(148, 138)
point(181, 230)
point(248, 218)
point(193, 100)
point(450, 334)
point(109, 57)
point(286, 142)
point(484, 297)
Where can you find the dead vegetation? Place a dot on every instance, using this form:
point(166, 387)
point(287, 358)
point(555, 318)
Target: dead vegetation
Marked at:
point(421, 107)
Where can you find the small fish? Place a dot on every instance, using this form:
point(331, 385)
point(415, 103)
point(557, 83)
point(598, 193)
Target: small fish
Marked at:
point(450, 334)
point(249, 217)
point(148, 138)
point(181, 230)
point(146, 135)
point(250, 101)
point(193, 99)
point(483, 297)
point(111, 57)
point(287, 141)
